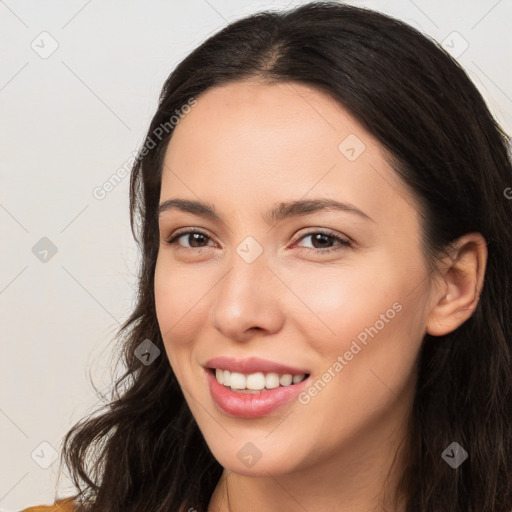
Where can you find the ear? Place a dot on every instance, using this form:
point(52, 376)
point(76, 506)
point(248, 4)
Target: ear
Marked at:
point(461, 278)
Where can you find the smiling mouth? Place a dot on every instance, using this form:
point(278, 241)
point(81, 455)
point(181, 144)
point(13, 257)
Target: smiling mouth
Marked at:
point(255, 383)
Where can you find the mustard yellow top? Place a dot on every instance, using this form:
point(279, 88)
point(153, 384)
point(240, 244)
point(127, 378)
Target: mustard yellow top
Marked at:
point(66, 505)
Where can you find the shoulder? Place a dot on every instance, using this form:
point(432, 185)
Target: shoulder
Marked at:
point(65, 505)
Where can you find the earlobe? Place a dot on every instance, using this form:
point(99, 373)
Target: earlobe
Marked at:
point(462, 279)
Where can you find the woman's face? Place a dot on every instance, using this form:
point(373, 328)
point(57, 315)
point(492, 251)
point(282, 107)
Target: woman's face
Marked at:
point(340, 294)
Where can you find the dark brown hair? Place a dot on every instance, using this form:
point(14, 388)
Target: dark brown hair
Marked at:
point(143, 452)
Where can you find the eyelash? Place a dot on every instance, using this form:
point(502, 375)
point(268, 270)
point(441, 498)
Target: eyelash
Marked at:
point(342, 241)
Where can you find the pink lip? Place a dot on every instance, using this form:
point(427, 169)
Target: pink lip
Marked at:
point(245, 405)
point(252, 365)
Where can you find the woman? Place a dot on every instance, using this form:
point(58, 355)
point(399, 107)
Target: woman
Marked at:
point(324, 310)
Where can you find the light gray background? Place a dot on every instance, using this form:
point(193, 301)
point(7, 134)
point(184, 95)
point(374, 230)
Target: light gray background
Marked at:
point(68, 122)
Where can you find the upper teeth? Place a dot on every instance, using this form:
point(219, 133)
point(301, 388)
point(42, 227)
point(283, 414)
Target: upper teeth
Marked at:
point(256, 381)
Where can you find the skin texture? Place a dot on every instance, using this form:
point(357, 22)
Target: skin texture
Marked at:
point(245, 147)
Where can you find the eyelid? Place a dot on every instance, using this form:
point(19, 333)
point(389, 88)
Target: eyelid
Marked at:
point(324, 231)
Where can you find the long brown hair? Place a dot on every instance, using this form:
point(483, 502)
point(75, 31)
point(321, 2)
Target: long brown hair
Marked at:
point(143, 450)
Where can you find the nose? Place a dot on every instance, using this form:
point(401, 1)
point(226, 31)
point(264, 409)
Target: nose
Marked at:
point(248, 300)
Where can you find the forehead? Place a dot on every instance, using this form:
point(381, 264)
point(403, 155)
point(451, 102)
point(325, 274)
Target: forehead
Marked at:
point(249, 141)
point(276, 115)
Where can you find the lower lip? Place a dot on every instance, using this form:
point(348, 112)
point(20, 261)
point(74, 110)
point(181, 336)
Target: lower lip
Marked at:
point(252, 405)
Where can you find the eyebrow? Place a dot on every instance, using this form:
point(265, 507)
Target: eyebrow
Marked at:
point(277, 213)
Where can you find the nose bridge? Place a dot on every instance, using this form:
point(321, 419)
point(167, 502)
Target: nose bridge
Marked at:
point(246, 297)
point(248, 266)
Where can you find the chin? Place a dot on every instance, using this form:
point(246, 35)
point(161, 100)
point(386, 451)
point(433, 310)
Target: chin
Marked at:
point(257, 457)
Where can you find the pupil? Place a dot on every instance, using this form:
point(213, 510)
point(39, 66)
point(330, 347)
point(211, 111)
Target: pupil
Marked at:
point(318, 238)
point(325, 238)
point(195, 237)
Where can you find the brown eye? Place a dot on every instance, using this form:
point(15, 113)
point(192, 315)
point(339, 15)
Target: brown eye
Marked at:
point(322, 241)
point(194, 238)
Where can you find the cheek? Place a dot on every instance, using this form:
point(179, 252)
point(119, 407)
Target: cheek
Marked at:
point(177, 302)
point(345, 300)
point(370, 359)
